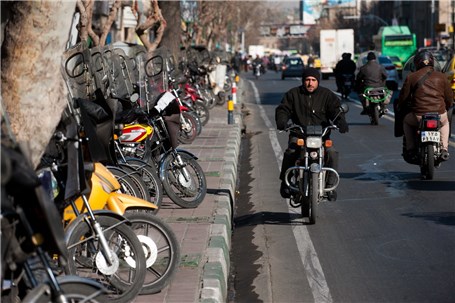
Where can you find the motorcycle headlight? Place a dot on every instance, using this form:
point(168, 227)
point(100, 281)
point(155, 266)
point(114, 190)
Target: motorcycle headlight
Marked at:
point(314, 155)
point(314, 142)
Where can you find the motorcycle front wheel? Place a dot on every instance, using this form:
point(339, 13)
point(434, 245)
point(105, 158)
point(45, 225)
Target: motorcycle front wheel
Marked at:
point(161, 248)
point(188, 131)
point(185, 184)
point(150, 178)
point(308, 187)
point(202, 111)
point(122, 278)
point(73, 291)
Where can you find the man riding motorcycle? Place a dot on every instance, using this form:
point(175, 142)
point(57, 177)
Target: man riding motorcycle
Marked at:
point(344, 67)
point(424, 91)
point(309, 104)
point(371, 74)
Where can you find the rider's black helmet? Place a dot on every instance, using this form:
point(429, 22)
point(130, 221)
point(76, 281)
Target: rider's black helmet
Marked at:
point(422, 59)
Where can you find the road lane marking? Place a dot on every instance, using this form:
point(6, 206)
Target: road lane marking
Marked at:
point(307, 252)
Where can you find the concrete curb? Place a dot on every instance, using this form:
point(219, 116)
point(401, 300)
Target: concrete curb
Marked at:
point(216, 270)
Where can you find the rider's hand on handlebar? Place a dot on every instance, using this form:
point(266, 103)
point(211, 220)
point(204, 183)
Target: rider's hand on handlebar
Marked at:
point(343, 126)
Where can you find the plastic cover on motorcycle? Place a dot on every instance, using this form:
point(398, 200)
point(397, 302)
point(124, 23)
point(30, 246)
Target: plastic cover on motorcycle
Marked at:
point(155, 81)
point(76, 69)
point(120, 82)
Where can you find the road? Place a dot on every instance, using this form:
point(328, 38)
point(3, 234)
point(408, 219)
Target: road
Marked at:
point(390, 237)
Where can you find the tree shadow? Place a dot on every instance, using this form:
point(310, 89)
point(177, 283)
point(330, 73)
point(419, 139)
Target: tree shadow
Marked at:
point(266, 217)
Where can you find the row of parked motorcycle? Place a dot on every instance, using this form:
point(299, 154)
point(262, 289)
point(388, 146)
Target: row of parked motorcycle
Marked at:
point(84, 226)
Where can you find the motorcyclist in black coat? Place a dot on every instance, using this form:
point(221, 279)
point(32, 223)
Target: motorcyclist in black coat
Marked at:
point(344, 67)
point(309, 104)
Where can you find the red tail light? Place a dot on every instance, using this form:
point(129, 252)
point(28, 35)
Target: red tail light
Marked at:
point(430, 124)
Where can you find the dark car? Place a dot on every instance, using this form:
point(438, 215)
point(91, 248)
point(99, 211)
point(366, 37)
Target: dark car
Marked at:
point(292, 67)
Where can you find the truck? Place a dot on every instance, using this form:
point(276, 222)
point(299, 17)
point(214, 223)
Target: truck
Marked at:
point(333, 43)
point(255, 50)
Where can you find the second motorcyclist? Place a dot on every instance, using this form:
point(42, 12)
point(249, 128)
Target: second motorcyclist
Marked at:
point(309, 104)
point(371, 74)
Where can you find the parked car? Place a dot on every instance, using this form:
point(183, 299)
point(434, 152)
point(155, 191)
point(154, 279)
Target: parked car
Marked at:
point(392, 73)
point(398, 65)
point(292, 67)
point(409, 67)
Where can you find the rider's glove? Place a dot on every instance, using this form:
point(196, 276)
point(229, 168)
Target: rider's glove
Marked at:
point(343, 126)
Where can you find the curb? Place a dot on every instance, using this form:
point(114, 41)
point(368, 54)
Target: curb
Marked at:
point(216, 270)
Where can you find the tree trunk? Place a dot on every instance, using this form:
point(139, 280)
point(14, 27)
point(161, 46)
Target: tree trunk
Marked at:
point(33, 90)
point(173, 31)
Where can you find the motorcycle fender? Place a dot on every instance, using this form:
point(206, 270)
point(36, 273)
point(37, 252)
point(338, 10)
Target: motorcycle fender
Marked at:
point(119, 203)
point(182, 151)
point(315, 168)
point(69, 229)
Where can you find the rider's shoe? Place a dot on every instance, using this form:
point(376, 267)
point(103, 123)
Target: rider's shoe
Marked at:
point(445, 155)
point(411, 156)
point(332, 195)
point(284, 190)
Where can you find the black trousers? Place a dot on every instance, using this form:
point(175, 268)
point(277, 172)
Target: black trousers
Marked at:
point(291, 155)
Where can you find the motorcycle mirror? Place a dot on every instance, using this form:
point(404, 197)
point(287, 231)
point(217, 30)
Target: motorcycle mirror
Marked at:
point(134, 97)
point(344, 107)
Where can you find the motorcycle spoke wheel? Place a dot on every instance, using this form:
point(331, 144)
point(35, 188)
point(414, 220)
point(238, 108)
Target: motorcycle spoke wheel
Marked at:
point(187, 193)
point(125, 282)
point(202, 112)
point(127, 185)
point(150, 178)
point(73, 291)
point(161, 249)
point(188, 131)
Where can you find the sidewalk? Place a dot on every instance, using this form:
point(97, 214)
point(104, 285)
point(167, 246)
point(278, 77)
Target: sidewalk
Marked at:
point(204, 232)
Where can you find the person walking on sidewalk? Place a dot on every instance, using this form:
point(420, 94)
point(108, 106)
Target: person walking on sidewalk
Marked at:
point(309, 104)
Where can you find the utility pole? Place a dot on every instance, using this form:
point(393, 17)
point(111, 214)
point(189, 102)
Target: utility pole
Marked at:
point(432, 23)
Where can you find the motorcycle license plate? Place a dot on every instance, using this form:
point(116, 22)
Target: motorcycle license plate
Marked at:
point(347, 83)
point(429, 136)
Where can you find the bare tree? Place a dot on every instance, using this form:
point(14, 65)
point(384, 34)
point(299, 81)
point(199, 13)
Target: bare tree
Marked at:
point(33, 91)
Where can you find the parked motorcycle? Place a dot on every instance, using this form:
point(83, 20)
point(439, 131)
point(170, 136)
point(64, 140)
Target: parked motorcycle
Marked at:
point(429, 146)
point(376, 99)
point(307, 179)
point(160, 246)
point(31, 234)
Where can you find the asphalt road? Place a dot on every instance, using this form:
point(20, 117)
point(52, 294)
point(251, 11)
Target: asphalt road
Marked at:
point(390, 237)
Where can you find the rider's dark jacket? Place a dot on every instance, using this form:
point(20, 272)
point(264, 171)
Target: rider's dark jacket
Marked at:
point(433, 95)
point(305, 108)
point(372, 74)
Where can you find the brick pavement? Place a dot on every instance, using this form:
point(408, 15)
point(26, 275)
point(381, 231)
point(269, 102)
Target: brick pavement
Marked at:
point(204, 232)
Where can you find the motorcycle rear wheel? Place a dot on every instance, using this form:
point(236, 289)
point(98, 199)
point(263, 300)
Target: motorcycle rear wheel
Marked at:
point(374, 114)
point(427, 162)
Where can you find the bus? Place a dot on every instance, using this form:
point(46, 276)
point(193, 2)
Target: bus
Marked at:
point(395, 41)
